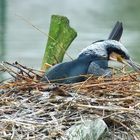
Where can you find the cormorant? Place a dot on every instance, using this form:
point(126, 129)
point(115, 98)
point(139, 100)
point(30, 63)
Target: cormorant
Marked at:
point(92, 60)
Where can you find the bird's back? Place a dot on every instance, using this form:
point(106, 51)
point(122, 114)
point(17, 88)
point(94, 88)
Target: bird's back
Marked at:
point(69, 72)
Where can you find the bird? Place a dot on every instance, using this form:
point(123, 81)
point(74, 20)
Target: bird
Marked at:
point(70, 72)
point(92, 60)
point(110, 48)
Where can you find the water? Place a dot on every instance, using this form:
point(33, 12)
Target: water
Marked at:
point(92, 20)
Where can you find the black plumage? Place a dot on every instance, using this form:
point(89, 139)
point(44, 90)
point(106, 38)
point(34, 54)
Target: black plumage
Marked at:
point(70, 72)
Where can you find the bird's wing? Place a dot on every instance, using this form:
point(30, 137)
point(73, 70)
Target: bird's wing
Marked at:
point(96, 70)
point(116, 32)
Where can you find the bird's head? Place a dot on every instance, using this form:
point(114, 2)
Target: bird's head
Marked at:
point(110, 50)
point(116, 51)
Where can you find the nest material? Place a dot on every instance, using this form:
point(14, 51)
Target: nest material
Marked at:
point(30, 109)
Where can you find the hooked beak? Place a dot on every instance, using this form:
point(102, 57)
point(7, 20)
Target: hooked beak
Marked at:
point(128, 62)
point(132, 64)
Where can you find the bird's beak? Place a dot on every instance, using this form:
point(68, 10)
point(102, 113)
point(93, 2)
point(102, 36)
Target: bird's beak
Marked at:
point(128, 62)
point(132, 64)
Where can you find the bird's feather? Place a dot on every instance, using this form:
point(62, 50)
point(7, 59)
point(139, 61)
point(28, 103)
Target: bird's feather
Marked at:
point(116, 32)
point(96, 68)
point(69, 72)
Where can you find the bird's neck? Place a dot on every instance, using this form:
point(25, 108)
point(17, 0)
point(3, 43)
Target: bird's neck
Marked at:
point(90, 58)
point(102, 62)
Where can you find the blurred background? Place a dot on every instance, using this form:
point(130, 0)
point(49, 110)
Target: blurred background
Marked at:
point(92, 20)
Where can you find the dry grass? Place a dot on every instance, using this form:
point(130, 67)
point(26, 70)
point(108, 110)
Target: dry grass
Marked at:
point(30, 109)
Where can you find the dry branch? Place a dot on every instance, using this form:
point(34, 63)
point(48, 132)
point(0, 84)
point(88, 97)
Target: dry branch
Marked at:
point(31, 109)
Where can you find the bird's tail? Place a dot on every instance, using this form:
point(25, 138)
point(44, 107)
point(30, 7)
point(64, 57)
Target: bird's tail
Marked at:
point(116, 32)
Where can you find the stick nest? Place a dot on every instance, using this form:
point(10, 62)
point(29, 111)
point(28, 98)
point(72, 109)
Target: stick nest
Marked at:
point(30, 109)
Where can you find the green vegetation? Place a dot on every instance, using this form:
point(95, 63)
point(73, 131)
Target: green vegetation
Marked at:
point(60, 37)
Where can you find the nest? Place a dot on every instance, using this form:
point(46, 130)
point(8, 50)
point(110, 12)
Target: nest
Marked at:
point(30, 109)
